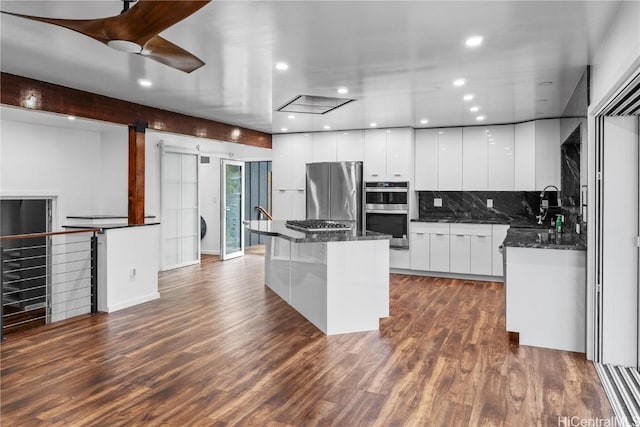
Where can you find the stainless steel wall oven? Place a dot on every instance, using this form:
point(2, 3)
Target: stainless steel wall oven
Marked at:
point(387, 210)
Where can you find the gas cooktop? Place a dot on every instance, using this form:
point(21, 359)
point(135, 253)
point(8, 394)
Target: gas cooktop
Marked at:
point(316, 225)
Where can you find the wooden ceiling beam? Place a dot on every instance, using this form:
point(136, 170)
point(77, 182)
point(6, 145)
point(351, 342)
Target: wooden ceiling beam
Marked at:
point(23, 92)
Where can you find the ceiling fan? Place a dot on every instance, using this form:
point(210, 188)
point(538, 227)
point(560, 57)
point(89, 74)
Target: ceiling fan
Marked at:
point(136, 30)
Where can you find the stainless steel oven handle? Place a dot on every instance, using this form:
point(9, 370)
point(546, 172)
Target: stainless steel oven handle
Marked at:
point(386, 190)
point(385, 211)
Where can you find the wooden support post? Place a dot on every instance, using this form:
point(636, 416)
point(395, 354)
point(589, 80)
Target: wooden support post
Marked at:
point(136, 173)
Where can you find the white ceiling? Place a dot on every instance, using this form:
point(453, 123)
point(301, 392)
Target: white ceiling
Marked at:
point(398, 59)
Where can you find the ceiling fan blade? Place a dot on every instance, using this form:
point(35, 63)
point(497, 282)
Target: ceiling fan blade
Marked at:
point(167, 53)
point(147, 18)
point(94, 28)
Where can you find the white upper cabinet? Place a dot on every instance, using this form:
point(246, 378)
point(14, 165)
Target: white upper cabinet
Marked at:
point(324, 147)
point(525, 157)
point(350, 146)
point(547, 153)
point(375, 155)
point(501, 157)
point(450, 159)
point(388, 154)
point(426, 160)
point(290, 155)
point(280, 161)
point(474, 159)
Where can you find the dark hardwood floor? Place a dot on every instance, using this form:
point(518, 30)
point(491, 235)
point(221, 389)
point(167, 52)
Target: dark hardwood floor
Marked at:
point(219, 348)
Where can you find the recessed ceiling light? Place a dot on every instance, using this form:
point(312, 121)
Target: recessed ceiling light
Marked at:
point(327, 127)
point(479, 118)
point(373, 124)
point(291, 116)
point(468, 97)
point(145, 83)
point(284, 129)
point(71, 117)
point(424, 121)
point(474, 109)
point(474, 41)
point(343, 90)
point(459, 82)
point(440, 132)
point(282, 66)
point(545, 83)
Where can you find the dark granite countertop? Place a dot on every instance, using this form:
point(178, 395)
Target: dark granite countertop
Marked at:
point(279, 229)
point(543, 239)
point(108, 226)
point(520, 222)
point(103, 216)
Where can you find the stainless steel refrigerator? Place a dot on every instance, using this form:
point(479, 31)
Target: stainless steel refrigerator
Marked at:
point(334, 191)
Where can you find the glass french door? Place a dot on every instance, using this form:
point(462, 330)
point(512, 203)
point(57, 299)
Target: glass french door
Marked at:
point(180, 222)
point(232, 192)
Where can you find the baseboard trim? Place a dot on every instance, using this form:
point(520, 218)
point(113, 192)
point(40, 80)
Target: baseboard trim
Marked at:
point(130, 303)
point(205, 252)
point(475, 277)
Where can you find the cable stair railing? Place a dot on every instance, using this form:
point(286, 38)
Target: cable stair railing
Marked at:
point(47, 277)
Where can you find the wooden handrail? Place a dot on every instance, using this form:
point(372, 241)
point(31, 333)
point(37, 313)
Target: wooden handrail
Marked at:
point(264, 212)
point(53, 233)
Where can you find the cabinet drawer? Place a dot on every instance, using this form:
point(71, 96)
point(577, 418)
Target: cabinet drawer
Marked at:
point(429, 227)
point(471, 229)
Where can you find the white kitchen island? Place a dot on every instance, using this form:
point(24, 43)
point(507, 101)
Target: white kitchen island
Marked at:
point(339, 281)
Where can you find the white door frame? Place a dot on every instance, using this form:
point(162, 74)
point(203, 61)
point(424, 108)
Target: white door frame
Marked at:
point(223, 210)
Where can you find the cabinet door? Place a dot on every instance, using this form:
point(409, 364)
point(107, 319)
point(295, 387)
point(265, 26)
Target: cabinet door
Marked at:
point(450, 159)
point(426, 160)
point(350, 146)
point(439, 252)
point(525, 157)
point(324, 147)
point(501, 158)
point(281, 161)
point(375, 155)
point(419, 248)
point(460, 253)
point(281, 204)
point(474, 158)
point(399, 154)
point(547, 153)
point(481, 252)
point(499, 233)
point(301, 154)
point(298, 204)
point(399, 258)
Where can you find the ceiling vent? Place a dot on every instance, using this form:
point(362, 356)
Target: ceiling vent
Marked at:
point(309, 104)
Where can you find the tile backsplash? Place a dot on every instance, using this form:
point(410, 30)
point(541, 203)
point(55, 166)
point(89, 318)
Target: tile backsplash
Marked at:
point(505, 205)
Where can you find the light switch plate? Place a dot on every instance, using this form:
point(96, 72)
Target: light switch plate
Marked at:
point(437, 203)
point(489, 203)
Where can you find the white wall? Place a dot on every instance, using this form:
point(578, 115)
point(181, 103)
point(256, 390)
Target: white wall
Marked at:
point(618, 53)
point(114, 157)
point(209, 176)
point(39, 160)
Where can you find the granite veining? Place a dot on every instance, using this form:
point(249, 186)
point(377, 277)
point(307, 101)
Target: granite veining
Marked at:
point(542, 239)
point(508, 206)
point(279, 229)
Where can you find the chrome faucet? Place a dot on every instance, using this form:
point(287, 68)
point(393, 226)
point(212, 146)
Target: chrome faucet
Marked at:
point(545, 206)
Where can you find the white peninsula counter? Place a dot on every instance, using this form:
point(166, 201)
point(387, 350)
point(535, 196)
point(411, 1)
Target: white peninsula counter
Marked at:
point(337, 280)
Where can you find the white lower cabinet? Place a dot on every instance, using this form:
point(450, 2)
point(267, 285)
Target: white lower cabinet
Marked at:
point(499, 233)
point(456, 248)
point(399, 258)
point(481, 252)
point(439, 252)
point(419, 252)
point(460, 256)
